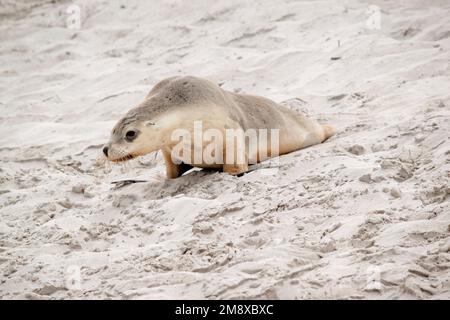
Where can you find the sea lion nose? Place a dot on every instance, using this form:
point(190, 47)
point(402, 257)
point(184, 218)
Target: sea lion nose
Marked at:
point(105, 151)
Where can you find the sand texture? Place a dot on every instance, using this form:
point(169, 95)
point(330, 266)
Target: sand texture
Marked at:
point(364, 215)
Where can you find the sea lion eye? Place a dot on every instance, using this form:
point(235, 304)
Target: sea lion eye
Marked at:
point(130, 135)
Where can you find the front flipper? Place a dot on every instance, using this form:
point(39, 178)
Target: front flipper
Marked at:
point(239, 161)
point(235, 169)
point(174, 170)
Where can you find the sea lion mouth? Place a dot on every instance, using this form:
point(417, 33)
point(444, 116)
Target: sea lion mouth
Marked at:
point(124, 158)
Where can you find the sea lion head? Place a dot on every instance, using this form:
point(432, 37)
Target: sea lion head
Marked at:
point(136, 134)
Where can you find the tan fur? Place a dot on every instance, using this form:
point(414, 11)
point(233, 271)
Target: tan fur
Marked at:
point(177, 102)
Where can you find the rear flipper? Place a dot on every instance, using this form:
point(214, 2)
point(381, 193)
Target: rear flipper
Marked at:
point(328, 131)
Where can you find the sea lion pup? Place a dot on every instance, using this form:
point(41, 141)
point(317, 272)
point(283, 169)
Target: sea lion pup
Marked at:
point(182, 104)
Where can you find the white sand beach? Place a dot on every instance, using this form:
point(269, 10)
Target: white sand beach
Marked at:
point(364, 215)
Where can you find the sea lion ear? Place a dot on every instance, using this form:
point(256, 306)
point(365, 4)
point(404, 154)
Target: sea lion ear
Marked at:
point(149, 123)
